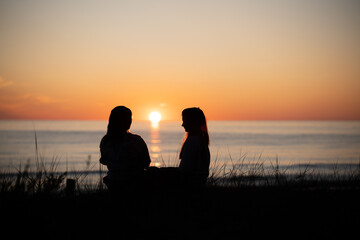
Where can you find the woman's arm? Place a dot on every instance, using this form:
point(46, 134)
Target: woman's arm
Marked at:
point(103, 156)
point(145, 154)
point(190, 155)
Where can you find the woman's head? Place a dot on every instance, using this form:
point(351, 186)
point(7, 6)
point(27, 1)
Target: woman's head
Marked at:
point(119, 121)
point(194, 123)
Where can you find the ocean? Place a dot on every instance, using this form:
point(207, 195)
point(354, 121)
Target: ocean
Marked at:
point(73, 146)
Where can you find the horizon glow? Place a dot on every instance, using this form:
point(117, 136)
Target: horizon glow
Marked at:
point(236, 60)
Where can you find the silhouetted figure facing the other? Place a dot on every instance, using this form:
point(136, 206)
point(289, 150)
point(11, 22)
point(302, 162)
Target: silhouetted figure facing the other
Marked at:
point(125, 154)
point(194, 154)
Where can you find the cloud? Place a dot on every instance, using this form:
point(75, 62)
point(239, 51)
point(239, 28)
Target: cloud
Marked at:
point(21, 100)
point(4, 83)
point(47, 99)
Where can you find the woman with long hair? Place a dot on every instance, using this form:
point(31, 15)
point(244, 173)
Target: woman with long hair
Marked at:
point(125, 154)
point(194, 154)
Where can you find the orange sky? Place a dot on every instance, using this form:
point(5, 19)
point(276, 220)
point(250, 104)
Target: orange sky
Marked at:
point(237, 60)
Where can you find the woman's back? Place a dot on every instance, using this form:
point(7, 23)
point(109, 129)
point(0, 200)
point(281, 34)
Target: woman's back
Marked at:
point(124, 155)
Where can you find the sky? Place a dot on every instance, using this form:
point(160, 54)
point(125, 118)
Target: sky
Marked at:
point(236, 60)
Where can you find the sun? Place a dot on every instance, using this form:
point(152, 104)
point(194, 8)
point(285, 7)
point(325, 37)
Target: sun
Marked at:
point(155, 117)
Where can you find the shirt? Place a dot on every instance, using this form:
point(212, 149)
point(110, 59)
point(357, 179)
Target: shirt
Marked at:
point(195, 158)
point(124, 155)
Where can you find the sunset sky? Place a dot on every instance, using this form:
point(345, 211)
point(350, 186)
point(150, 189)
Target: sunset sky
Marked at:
point(237, 60)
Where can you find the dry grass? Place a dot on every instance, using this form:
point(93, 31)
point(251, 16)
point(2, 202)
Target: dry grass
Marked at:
point(237, 173)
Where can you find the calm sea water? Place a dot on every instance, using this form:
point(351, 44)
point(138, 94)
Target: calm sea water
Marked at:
point(74, 145)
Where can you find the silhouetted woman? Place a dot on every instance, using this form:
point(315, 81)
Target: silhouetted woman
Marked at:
point(125, 154)
point(194, 154)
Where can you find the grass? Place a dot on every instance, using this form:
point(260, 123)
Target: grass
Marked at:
point(240, 173)
point(238, 205)
point(246, 202)
point(245, 173)
point(244, 198)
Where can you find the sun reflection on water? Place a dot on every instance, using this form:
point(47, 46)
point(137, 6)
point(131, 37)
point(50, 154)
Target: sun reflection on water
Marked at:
point(155, 124)
point(155, 145)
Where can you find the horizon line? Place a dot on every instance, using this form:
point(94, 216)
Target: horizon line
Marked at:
point(169, 120)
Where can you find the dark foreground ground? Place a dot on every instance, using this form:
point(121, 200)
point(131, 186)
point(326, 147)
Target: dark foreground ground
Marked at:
point(216, 213)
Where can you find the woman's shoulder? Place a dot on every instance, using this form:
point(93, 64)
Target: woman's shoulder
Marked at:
point(134, 137)
point(108, 142)
point(104, 140)
point(194, 140)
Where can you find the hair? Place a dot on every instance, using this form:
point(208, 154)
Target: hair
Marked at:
point(196, 118)
point(119, 121)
